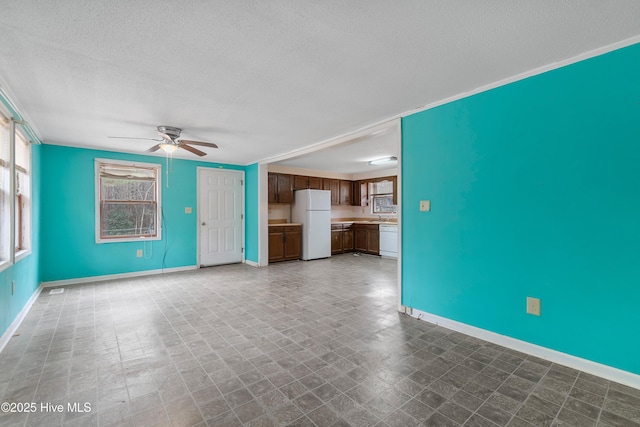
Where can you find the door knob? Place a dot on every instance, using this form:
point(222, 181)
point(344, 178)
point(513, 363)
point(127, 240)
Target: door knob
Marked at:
point(204, 223)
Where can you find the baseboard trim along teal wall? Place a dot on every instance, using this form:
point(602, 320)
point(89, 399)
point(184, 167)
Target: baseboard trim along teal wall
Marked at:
point(13, 327)
point(584, 365)
point(92, 279)
point(534, 193)
point(69, 250)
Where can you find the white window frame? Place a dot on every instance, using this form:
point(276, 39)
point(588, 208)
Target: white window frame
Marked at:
point(158, 168)
point(8, 219)
point(15, 254)
point(26, 250)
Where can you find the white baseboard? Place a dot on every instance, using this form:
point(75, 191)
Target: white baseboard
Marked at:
point(4, 340)
point(251, 263)
point(610, 373)
point(90, 279)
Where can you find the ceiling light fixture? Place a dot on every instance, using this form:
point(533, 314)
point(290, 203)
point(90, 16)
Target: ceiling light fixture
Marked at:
point(384, 160)
point(168, 148)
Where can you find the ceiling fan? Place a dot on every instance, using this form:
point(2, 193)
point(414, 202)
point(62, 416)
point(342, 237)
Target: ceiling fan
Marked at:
point(170, 142)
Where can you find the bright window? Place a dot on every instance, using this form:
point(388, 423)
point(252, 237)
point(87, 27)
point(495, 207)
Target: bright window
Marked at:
point(15, 193)
point(5, 191)
point(22, 204)
point(382, 193)
point(127, 201)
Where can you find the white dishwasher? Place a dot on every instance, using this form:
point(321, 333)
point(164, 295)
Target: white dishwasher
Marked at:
point(389, 240)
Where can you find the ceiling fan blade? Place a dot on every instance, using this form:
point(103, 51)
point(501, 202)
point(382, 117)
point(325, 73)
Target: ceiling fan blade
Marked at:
point(129, 137)
point(204, 144)
point(165, 136)
point(193, 150)
point(154, 148)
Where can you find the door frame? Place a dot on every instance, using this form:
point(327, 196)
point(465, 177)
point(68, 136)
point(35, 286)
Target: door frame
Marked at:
point(199, 170)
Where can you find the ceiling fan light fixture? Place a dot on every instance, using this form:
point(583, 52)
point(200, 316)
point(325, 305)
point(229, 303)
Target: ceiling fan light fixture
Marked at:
point(383, 160)
point(168, 148)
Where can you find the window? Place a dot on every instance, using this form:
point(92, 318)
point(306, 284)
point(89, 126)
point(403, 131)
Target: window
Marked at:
point(5, 190)
point(22, 205)
point(127, 201)
point(382, 196)
point(15, 192)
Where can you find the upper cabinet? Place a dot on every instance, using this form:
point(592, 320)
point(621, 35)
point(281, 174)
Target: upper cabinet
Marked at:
point(300, 182)
point(382, 192)
point(340, 190)
point(334, 186)
point(303, 182)
point(315, 183)
point(280, 188)
point(345, 192)
point(360, 193)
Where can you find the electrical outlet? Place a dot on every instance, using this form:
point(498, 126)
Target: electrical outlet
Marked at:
point(139, 253)
point(533, 306)
point(188, 210)
point(13, 287)
point(425, 205)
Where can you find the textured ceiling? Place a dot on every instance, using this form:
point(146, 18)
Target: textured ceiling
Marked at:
point(263, 78)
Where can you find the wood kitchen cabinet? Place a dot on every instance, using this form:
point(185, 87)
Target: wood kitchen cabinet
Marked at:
point(337, 246)
point(285, 242)
point(342, 239)
point(334, 186)
point(300, 182)
point(345, 192)
point(348, 243)
point(360, 193)
point(315, 183)
point(367, 238)
point(280, 188)
point(340, 190)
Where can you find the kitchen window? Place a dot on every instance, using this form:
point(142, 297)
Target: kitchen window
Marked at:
point(382, 197)
point(127, 201)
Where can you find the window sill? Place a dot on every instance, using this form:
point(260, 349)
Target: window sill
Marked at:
point(128, 239)
point(22, 254)
point(4, 265)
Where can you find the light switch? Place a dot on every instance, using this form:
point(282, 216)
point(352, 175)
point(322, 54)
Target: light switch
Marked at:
point(187, 210)
point(425, 205)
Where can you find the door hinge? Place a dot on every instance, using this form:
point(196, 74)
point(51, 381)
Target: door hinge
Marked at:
point(242, 182)
point(241, 216)
point(241, 250)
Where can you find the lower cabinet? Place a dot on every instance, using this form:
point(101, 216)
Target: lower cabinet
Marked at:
point(342, 238)
point(367, 238)
point(347, 238)
point(337, 245)
point(285, 242)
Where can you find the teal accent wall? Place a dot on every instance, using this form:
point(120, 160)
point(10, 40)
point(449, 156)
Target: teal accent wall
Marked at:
point(535, 191)
point(68, 245)
point(25, 272)
point(252, 211)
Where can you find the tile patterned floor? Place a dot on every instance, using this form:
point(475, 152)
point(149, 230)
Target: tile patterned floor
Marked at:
point(299, 343)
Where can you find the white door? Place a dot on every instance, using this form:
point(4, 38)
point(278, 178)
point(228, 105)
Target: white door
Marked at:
point(220, 216)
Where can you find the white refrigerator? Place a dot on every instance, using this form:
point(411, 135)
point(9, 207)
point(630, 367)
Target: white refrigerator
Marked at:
point(312, 209)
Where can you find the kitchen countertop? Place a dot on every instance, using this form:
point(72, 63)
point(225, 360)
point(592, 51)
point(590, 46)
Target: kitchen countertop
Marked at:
point(285, 224)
